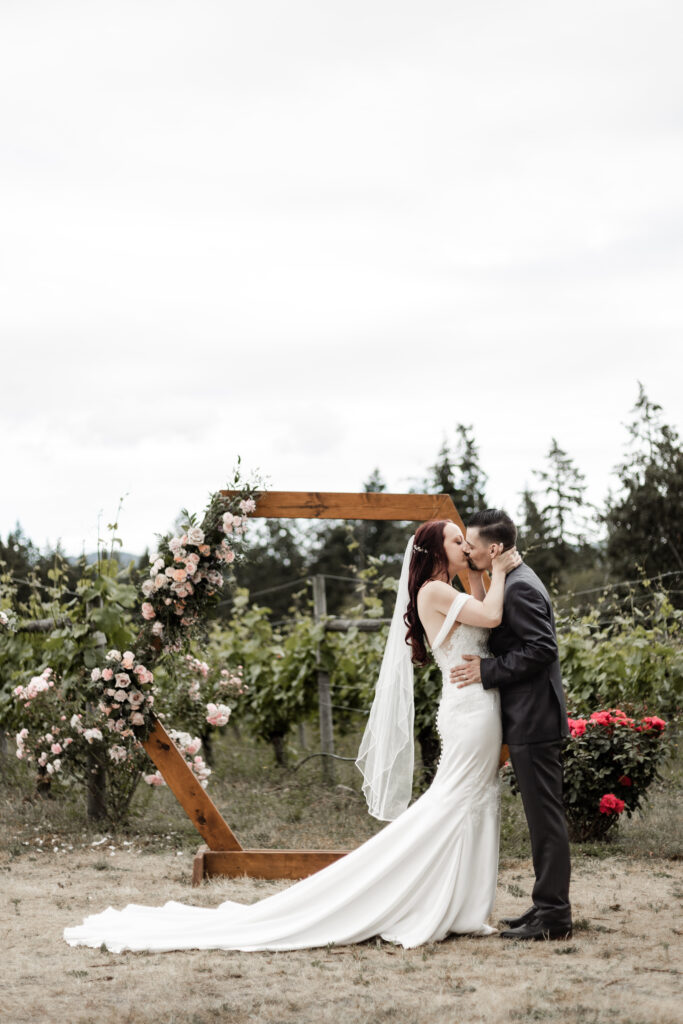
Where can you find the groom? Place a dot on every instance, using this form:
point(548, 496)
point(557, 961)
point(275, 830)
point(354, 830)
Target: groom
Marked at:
point(526, 670)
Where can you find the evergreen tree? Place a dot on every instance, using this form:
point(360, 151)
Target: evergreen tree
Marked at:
point(28, 567)
point(380, 538)
point(277, 555)
point(564, 490)
point(472, 483)
point(644, 522)
point(534, 539)
point(459, 474)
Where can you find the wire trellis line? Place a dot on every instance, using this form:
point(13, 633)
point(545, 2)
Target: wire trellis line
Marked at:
point(336, 757)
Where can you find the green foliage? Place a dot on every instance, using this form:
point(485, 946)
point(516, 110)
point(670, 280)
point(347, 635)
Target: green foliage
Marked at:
point(279, 670)
point(612, 658)
point(644, 523)
point(84, 622)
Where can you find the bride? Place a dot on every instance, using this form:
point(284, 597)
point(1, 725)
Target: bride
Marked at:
point(432, 871)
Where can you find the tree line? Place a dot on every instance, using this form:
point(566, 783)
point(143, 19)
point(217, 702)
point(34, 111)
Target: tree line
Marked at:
point(578, 549)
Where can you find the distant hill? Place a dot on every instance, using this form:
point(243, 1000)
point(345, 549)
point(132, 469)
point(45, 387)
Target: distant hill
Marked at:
point(124, 557)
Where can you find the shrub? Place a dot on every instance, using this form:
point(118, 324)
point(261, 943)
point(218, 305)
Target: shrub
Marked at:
point(610, 760)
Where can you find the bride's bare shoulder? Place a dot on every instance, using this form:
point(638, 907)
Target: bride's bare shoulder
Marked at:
point(435, 594)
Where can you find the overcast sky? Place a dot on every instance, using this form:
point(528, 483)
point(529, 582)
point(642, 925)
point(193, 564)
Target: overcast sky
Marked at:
point(319, 235)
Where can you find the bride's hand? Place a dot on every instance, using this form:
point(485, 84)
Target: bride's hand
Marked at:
point(506, 561)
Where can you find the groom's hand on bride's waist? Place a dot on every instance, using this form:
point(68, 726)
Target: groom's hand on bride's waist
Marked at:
point(467, 672)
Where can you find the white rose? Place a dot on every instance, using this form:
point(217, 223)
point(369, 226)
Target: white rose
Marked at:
point(195, 535)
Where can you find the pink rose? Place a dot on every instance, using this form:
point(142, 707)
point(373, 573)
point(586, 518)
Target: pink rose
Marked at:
point(137, 718)
point(56, 748)
point(154, 780)
point(148, 611)
point(107, 675)
point(217, 714)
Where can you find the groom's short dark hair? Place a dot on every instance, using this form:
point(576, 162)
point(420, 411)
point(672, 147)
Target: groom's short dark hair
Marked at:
point(495, 526)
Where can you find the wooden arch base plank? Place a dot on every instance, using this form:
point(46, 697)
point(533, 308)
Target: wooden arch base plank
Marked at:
point(223, 854)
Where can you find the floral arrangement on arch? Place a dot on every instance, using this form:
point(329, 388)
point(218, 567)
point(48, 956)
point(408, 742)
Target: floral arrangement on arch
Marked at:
point(609, 761)
point(188, 572)
point(186, 576)
point(70, 727)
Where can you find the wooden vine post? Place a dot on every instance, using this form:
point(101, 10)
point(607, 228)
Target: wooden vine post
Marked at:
point(222, 853)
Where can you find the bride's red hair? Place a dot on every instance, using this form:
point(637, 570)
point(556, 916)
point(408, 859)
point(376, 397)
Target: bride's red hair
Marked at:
point(428, 561)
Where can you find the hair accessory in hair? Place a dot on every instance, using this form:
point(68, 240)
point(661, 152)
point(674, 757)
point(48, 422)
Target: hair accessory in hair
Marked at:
point(416, 547)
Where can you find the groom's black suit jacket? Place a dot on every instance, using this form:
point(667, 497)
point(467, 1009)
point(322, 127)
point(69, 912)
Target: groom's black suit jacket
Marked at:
point(526, 666)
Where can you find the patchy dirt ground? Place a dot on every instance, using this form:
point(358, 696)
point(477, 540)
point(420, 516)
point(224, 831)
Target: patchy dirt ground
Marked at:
point(623, 963)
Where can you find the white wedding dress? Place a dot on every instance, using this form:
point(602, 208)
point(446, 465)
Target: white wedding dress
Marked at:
point(427, 874)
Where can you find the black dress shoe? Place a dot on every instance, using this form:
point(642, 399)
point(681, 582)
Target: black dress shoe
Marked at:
point(536, 930)
point(517, 922)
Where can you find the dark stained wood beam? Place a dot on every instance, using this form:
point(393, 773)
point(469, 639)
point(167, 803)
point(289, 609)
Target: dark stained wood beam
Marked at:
point(341, 505)
point(194, 800)
point(262, 863)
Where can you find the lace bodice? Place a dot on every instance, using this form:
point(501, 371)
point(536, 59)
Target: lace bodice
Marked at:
point(448, 648)
point(463, 640)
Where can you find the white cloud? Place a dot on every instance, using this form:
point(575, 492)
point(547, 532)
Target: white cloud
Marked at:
point(321, 235)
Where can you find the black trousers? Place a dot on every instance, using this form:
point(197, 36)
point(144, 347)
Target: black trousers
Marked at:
point(538, 769)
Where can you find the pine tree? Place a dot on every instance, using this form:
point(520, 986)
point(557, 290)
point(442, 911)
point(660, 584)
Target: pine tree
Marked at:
point(459, 474)
point(645, 521)
point(564, 488)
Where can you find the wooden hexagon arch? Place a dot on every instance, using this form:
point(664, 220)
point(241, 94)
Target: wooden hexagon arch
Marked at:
point(222, 853)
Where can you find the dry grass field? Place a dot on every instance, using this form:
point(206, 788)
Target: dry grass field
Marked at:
point(622, 965)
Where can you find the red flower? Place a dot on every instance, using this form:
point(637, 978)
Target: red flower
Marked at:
point(625, 781)
point(577, 726)
point(652, 722)
point(611, 804)
point(602, 718)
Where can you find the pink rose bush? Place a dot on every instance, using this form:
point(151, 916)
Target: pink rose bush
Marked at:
point(82, 721)
point(189, 746)
point(201, 695)
point(126, 696)
point(65, 744)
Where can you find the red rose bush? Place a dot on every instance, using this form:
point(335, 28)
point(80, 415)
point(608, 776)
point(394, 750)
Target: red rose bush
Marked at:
point(610, 760)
